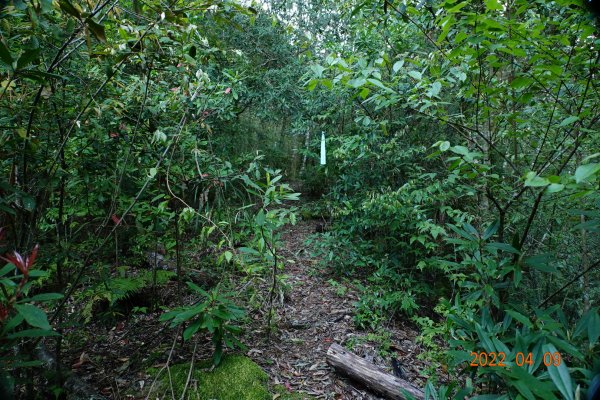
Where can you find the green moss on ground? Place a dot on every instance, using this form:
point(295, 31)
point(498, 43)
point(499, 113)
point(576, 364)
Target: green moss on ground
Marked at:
point(237, 378)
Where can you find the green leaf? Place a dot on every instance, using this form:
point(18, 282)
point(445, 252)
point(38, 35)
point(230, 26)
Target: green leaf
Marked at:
point(69, 8)
point(584, 172)
point(493, 5)
point(5, 55)
point(521, 82)
point(445, 145)
point(97, 30)
point(415, 75)
point(435, 89)
point(462, 150)
point(593, 328)
point(45, 297)
point(318, 70)
point(260, 218)
point(569, 120)
point(33, 315)
point(503, 247)
point(486, 343)
point(398, 65)
point(555, 188)
point(541, 262)
point(560, 375)
point(378, 83)
point(6, 269)
point(533, 180)
point(30, 333)
point(27, 58)
point(356, 83)
point(191, 330)
point(520, 317)
point(493, 228)
point(197, 289)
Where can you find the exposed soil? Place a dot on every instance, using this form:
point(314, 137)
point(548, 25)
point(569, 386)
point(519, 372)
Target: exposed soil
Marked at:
point(313, 315)
point(310, 317)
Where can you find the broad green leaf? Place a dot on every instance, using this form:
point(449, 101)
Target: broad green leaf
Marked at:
point(485, 340)
point(560, 374)
point(30, 333)
point(445, 145)
point(503, 247)
point(191, 330)
point(555, 188)
point(493, 5)
point(5, 55)
point(493, 228)
point(197, 289)
point(318, 70)
point(27, 58)
point(260, 218)
point(69, 8)
point(594, 328)
point(397, 65)
point(569, 120)
point(541, 262)
point(521, 82)
point(356, 83)
point(520, 317)
point(462, 150)
point(584, 172)
point(415, 75)
point(33, 316)
point(45, 297)
point(6, 269)
point(97, 30)
point(533, 180)
point(378, 83)
point(435, 89)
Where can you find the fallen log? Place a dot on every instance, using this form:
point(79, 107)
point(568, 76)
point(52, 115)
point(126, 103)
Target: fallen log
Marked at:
point(370, 375)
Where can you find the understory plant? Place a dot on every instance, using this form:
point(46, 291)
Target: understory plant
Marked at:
point(214, 313)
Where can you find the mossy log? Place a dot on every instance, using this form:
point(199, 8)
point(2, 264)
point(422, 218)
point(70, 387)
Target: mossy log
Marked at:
point(370, 375)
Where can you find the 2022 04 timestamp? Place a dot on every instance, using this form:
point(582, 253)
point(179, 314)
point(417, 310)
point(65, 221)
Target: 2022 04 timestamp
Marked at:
point(485, 359)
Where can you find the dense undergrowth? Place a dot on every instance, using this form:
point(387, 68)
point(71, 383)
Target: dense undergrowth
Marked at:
point(461, 188)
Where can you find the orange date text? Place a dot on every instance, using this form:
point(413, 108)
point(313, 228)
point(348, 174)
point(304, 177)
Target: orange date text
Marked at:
point(483, 359)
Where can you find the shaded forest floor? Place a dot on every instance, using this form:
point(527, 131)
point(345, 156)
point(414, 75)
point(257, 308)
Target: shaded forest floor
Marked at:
point(314, 313)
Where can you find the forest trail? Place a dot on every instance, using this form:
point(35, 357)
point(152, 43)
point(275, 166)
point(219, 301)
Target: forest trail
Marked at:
point(312, 316)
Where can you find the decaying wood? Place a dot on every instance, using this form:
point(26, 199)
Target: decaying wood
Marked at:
point(370, 375)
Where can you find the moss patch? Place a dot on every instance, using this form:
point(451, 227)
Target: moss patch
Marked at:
point(237, 378)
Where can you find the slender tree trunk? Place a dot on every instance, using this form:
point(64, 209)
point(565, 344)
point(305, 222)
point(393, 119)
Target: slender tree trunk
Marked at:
point(584, 265)
point(306, 144)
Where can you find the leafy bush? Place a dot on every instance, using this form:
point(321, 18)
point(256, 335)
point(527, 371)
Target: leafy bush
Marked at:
point(215, 313)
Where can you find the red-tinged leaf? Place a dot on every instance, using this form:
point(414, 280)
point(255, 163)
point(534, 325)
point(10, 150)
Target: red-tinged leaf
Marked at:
point(113, 134)
point(17, 260)
point(115, 219)
point(288, 386)
point(228, 90)
point(3, 312)
point(32, 257)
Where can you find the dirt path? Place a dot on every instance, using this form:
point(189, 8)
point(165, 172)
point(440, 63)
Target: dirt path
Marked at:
point(313, 316)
